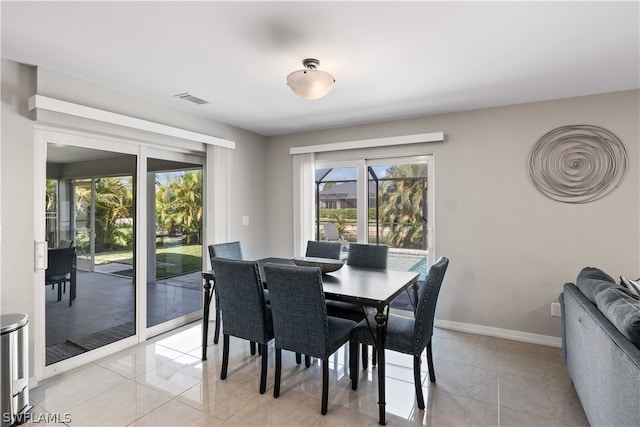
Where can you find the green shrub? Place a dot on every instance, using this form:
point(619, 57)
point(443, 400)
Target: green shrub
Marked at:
point(121, 238)
point(346, 214)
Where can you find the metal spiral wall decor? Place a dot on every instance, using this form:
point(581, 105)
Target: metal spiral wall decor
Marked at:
point(577, 163)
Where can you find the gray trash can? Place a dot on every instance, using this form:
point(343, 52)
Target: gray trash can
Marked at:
point(14, 375)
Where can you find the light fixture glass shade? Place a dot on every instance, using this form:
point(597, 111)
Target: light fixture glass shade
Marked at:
point(310, 83)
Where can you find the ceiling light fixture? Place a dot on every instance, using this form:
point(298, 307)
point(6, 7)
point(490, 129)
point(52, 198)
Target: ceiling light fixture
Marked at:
point(310, 83)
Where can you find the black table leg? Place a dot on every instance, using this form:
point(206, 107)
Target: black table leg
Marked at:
point(72, 286)
point(208, 293)
point(381, 329)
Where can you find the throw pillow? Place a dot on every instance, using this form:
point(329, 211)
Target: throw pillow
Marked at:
point(592, 280)
point(632, 286)
point(623, 311)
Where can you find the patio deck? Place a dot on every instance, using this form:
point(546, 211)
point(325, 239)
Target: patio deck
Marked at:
point(105, 301)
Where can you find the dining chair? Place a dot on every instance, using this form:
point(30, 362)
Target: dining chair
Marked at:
point(246, 315)
point(363, 256)
point(368, 256)
point(65, 244)
point(300, 320)
point(323, 249)
point(405, 334)
point(60, 264)
point(230, 250)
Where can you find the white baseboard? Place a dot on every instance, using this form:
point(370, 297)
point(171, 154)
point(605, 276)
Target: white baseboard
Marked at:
point(499, 333)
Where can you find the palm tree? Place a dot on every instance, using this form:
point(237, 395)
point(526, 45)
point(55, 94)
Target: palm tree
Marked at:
point(114, 211)
point(179, 205)
point(402, 203)
point(51, 195)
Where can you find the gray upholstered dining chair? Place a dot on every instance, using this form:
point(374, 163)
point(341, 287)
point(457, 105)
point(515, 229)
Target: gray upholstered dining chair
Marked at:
point(368, 256)
point(364, 256)
point(246, 315)
point(323, 249)
point(60, 263)
point(230, 250)
point(405, 334)
point(300, 320)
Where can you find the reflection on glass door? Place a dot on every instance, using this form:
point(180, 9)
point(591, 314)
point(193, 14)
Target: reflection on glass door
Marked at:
point(83, 233)
point(174, 262)
point(90, 209)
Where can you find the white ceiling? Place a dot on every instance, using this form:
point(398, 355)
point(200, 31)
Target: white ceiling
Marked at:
point(390, 59)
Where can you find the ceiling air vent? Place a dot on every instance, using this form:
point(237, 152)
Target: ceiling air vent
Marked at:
point(188, 97)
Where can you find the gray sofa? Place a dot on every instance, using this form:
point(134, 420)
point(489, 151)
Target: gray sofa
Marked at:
point(600, 347)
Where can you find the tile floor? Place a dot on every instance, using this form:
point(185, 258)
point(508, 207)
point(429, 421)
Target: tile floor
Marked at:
point(480, 381)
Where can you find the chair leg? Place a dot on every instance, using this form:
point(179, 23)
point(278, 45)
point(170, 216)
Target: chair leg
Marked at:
point(354, 361)
point(417, 382)
point(374, 356)
point(307, 360)
point(216, 333)
point(276, 384)
point(298, 358)
point(259, 349)
point(365, 356)
point(432, 372)
point(325, 385)
point(263, 370)
point(252, 348)
point(59, 291)
point(225, 356)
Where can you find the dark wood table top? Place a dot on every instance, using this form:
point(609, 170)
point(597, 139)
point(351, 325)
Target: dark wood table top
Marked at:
point(363, 286)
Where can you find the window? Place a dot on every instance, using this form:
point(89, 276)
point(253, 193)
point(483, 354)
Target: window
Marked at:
point(390, 206)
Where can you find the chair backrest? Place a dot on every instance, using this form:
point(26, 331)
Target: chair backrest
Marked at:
point(323, 249)
point(368, 256)
point(427, 299)
point(331, 231)
point(230, 250)
point(298, 307)
point(241, 296)
point(65, 243)
point(60, 261)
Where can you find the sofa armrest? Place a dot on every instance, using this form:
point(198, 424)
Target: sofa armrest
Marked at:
point(603, 365)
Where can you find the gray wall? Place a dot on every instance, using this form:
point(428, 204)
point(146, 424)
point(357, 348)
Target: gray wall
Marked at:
point(16, 280)
point(511, 248)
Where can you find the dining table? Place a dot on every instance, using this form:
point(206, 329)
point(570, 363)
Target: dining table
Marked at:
point(367, 287)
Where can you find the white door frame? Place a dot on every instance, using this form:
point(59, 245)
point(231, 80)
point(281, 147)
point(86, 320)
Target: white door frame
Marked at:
point(44, 134)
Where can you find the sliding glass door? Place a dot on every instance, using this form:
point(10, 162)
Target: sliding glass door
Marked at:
point(399, 211)
point(90, 207)
point(127, 280)
point(174, 239)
